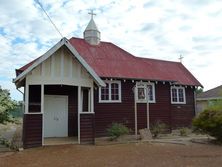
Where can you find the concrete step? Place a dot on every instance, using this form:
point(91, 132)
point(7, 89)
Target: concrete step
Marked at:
point(3, 148)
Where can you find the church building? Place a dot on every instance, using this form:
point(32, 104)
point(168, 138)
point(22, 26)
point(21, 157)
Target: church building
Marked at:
point(80, 86)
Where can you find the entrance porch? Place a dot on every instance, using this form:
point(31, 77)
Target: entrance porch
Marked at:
point(58, 114)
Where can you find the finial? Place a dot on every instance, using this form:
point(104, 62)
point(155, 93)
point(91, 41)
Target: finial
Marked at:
point(91, 13)
point(181, 58)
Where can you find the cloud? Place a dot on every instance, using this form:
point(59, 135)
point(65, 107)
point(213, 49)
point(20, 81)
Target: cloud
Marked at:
point(155, 29)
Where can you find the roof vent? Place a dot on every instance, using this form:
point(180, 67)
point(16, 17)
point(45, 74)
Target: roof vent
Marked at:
point(91, 33)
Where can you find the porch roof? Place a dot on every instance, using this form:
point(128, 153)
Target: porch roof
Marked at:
point(21, 73)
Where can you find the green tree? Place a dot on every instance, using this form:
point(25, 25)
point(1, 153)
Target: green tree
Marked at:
point(199, 90)
point(6, 105)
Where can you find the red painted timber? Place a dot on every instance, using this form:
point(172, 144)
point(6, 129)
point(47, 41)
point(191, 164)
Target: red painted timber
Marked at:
point(32, 130)
point(87, 129)
point(162, 110)
point(183, 114)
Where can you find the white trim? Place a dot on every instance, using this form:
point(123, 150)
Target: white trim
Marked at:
point(89, 100)
point(109, 85)
point(26, 97)
point(177, 89)
point(75, 54)
point(86, 113)
point(81, 108)
point(33, 113)
point(92, 99)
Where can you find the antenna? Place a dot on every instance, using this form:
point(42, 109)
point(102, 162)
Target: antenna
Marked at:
point(181, 58)
point(37, 1)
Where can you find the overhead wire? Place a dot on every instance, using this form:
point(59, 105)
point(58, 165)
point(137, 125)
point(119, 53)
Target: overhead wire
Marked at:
point(37, 1)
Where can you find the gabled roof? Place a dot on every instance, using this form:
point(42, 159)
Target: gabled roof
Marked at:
point(63, 42)
point(215, 93)
point(110, 61)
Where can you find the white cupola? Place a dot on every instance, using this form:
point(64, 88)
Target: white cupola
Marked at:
point(91, 33)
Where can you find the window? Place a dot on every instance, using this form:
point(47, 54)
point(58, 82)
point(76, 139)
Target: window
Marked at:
point(110, 93)
point(142, 91)
point(151, 92)
point(178, 95)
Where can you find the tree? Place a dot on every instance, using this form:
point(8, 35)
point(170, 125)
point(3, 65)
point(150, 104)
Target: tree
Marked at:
point(6, 105)
point(199, 90)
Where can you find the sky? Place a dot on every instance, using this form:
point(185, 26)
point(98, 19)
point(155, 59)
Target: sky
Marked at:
point(146, 28)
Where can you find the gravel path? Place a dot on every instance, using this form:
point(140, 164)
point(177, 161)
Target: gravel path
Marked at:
point(134, 154)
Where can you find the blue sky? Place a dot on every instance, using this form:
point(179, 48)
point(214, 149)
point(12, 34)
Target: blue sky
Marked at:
point(146, 28)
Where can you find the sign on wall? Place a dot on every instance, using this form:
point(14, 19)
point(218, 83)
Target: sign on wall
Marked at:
point(141, 92)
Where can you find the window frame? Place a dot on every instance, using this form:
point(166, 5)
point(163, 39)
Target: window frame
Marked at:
point(177, 91)
point(110, 91)
point(153, 90)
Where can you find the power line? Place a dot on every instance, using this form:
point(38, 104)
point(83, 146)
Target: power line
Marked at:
point(37, 1)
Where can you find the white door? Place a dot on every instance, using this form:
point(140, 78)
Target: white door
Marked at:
point(55, 116)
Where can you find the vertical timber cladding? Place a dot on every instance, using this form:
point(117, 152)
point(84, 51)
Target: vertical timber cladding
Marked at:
point(107, 113)
point(71, 92)
point(32, 130)
point(87, 128)
point(182, 114)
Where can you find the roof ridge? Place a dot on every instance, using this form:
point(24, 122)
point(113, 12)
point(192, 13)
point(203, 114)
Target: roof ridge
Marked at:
point(169, 61)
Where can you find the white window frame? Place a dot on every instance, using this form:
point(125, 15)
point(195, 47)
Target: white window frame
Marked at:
point(153, 90)
point(184, 95)
point(110, 96)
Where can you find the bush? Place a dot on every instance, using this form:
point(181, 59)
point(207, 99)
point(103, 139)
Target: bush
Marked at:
point(116, 130)
point(183, 131)
point(158, 128)
point(6, 105)
point(209, 122)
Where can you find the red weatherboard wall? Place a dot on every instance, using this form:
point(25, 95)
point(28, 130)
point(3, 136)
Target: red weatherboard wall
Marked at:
point(163, 110)
point(182, 115)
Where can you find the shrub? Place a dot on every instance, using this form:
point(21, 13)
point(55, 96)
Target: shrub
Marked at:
point(183, 131)
point(158, 128)
point(116, 130)
point(209, 122)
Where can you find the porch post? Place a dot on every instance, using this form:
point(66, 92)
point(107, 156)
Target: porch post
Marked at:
point(92, 100)
point(89, 101)
point(79, 110)
point(26, 97)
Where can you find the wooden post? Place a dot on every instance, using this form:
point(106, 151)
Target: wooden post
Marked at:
point(135, 110)
point(148, 110)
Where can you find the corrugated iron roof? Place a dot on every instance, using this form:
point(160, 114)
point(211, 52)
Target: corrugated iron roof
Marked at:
point(110, 61)
point(212, 93)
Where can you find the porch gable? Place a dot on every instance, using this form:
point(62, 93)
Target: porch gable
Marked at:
point(44, 60)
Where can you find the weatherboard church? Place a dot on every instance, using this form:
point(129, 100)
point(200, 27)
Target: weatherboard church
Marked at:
point(79, 87)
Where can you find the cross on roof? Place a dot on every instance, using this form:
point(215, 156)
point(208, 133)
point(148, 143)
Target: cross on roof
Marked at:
point(181, 58)
point(91, 13)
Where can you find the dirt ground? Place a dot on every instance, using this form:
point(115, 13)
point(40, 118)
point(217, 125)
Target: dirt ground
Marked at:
point(134, 154)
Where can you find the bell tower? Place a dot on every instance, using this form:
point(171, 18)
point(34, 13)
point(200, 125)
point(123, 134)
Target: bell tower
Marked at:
point(91, 33)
